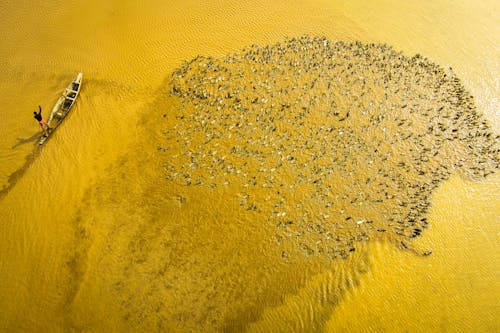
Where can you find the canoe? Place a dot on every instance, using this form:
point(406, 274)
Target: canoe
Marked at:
point(63, 106)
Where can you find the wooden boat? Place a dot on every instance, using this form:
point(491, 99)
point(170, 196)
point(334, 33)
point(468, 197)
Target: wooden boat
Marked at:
point(63, 106)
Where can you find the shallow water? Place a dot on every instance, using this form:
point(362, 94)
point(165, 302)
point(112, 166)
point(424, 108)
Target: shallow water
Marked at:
point(93, 239)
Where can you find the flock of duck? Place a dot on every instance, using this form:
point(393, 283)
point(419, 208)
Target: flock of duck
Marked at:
point(334, 142)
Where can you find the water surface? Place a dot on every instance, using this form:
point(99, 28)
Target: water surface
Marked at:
point(92, 239)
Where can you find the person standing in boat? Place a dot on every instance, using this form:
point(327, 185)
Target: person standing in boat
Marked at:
point(43, 124)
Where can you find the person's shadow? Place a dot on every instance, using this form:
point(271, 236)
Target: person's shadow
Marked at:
point(16, 175)
point(22, 141)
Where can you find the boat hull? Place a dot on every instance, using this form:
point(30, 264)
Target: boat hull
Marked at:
point(63, 106)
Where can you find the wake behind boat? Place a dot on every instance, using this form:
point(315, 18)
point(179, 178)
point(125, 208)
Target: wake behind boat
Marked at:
point(63, 106)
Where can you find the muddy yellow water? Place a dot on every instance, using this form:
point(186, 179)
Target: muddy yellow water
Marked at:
point(108, 227)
